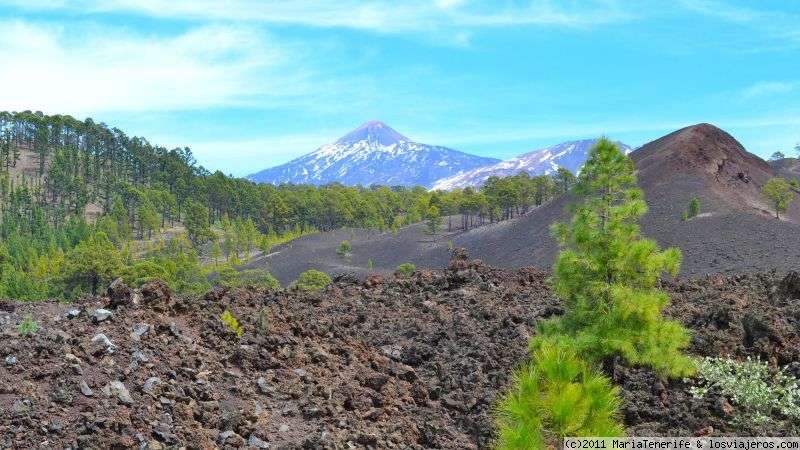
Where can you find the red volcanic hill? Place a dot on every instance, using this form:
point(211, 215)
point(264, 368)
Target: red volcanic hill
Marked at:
point(704, 161)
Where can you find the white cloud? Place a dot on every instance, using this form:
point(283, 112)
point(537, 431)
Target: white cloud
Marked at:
point(375, 15)
point(89, 69)
point(767, 88)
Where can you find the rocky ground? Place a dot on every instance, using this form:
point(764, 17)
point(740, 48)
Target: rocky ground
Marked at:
point(385, 363)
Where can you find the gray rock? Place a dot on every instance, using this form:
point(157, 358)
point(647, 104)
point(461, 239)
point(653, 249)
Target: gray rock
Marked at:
point(73, 313)
point(117, 389)
point(164, 435)
point(105, 341)
point(11, 360)
point(21, 406)
point(225, 435)
point(394, 352)
point(101, 315)
point(255, 442)
point(139, 330)
point(85, 389)
point(139, 357)
point(283, 428)
point(55, 426)
point(150, 384)
point(263, 386)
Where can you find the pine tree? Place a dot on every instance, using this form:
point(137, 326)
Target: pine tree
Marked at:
point(434, 219)
point(92, 262)
point(197, 223)
point(607, 275)
point(607, 272)
point(778, 191)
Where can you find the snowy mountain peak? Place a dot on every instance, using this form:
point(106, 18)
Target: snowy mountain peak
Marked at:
point(375, 132)
point(373, 153)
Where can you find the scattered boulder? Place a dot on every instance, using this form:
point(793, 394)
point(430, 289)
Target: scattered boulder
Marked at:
point(756, 329)
point(373, 280)
point(102, 342)
point(119, 294)
point(117, 389)
point(85, 389)
point(101, 315)
point(150, 385)
point(789, 286)
point(139, 330)
point(156, 295)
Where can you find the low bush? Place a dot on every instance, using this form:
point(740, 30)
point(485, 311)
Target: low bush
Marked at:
point(752, 385)
point(312, 281)
point(344, 249)
point(405, 270)
point(694, 207)
point(232, 322)
point(28, 326)
point(232, 278)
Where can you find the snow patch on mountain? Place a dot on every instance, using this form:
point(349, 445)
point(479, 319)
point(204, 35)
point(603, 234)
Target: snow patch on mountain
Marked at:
point(570, 155)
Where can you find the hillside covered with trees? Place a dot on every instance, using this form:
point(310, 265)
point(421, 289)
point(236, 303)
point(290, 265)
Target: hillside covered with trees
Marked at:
point(76, 196)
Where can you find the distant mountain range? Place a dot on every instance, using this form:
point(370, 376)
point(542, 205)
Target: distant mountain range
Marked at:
point(570, 155)
point(374, 153)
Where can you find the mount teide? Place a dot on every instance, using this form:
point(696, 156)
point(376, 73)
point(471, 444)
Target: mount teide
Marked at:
point(373, 153)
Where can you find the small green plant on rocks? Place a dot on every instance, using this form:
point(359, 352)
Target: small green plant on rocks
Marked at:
point(28, 326)
point(232, 322)
point(313, 281)
point(405, 270)
point(345, 249)
point(370, 264)
point(694, 207)
point(752, 385)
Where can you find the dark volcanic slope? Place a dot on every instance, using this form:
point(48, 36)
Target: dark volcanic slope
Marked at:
point(734, 233)
point(406, 364)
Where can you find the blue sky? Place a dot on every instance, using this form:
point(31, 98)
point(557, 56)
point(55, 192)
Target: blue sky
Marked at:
point(248, 84)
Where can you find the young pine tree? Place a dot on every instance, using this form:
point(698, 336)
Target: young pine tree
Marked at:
point(607, 272)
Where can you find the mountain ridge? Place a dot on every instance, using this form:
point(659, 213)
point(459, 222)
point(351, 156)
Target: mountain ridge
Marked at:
point(544, 161)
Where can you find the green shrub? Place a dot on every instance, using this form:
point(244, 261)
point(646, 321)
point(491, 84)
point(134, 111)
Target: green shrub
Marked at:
point(28, 326)
point(557, 394)
point(145, 271)
point(344, 249)
point(312, 281)
point(405, 270)
point(751, 385)
point(694, 207)
point(232, 278)
point(232, 322)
